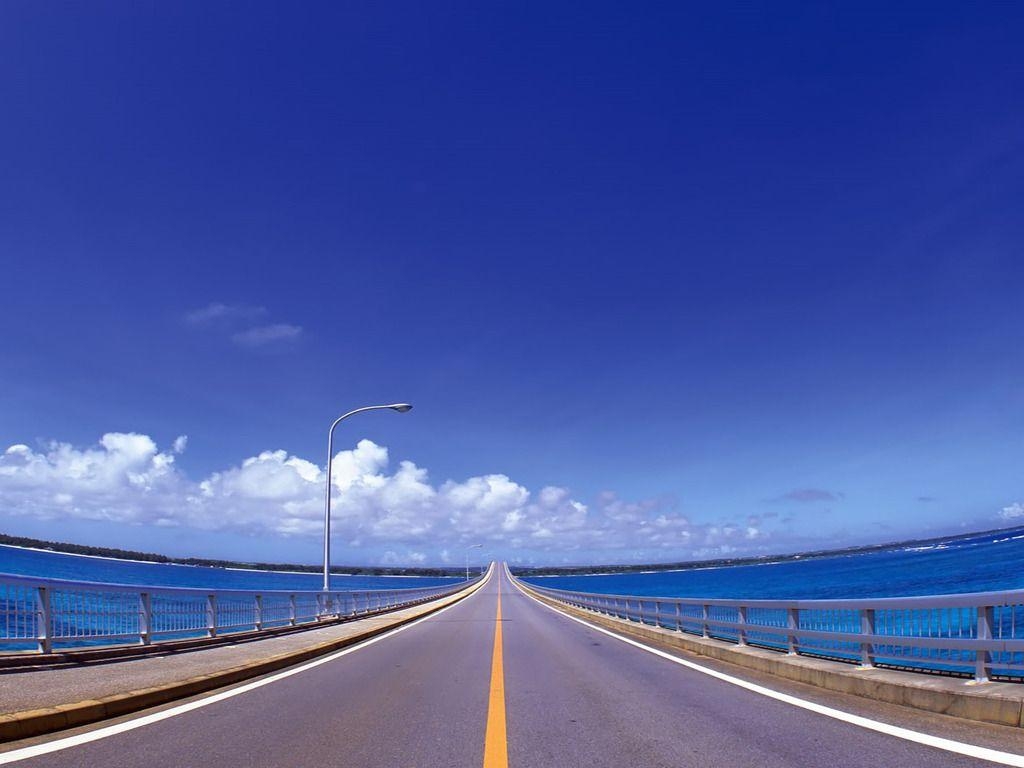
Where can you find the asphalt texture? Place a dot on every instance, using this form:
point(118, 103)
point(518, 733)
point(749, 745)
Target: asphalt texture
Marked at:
point(573, 697)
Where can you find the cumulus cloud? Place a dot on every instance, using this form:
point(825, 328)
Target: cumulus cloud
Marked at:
point(125, 479)
point(1012, 513)
point(397, 512)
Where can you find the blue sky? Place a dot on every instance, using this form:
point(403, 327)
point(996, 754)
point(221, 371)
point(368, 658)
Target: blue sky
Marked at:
point(661, 282)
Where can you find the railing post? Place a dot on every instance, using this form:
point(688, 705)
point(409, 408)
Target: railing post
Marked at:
point(44, 622)
point(291, 610)
point(145, 618)
point(640, 610)
point(867, 647)
point(259, 612)
point(704, 613)
point(211, 615)
point(679, 616)
point(792, 626)
point(983, 663)
point(741, 630)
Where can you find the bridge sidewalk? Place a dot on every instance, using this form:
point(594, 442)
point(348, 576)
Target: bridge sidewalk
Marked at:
point(39, 700)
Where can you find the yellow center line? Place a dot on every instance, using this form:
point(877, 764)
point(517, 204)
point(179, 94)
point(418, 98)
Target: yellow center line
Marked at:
point(496, 741)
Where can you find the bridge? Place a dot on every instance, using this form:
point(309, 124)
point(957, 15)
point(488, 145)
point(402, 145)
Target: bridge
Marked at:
point(506, 675)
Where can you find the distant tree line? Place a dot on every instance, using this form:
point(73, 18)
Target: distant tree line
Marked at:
point(150, 557)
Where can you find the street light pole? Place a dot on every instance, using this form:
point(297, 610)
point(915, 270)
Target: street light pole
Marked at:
point(472, 546)
point(401, 408)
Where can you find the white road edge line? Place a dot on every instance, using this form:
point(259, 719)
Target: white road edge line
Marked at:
point(957, 747)
point(25, 753)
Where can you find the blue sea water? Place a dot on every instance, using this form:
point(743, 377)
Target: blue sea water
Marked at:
point(978, 564)
point(55, 565)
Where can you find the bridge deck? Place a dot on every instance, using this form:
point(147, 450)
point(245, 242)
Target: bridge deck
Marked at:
point(25, 689)
point(570, 695)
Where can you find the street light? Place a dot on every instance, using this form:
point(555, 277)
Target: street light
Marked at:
point(401, 408)
point(472, 546)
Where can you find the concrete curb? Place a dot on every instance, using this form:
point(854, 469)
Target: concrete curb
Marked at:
point(1000, 703)
point(35, 722)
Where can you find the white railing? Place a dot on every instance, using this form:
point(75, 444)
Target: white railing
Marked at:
point(978, 634)
point(44, 614)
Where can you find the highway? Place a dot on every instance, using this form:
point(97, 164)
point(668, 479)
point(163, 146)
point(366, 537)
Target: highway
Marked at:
point(499, 679)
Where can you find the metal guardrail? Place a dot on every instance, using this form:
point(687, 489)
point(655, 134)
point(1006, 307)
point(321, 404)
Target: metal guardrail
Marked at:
point(43, 614)
point(979, 634)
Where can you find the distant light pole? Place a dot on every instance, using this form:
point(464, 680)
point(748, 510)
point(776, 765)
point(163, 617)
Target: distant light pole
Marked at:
point(472, 546)
point(401, 408)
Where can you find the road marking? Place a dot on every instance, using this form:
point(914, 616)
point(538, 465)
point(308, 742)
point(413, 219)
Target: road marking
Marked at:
point(496, 739)
point(957, 747)
point(16, 755)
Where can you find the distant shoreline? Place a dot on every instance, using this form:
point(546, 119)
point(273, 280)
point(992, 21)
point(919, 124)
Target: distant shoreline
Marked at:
point(694, 565)
point(145, 558)
point(110, 553)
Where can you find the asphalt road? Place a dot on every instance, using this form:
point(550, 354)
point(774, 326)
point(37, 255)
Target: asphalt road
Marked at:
point(573, 696)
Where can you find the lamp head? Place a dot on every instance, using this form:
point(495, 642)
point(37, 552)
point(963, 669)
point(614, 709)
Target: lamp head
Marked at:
point(400, 407)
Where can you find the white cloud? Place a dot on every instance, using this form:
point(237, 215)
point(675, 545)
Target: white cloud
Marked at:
point(1013, 512)
point(126, 478)
point(244, 324)
point(262, 335)
point(218, 312)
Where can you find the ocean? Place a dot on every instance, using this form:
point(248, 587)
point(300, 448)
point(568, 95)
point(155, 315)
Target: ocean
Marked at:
point(977, 564)
point(56, 565)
